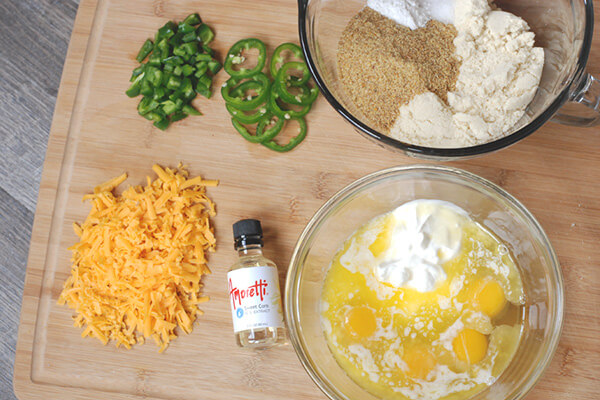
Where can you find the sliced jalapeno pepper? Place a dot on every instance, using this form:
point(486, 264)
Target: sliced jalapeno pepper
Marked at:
point(295, 141)
point(269, 133)
point(244, 118)
point(240, 90)
point(281, 113)
point(234, 56)
point(307, 97)
point(284, 80)
point(244, 103)
point(284, 76)
point(277, 56)
point(262, 134)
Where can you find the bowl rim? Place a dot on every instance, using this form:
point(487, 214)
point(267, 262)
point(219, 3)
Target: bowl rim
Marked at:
point(294, 268)
point(461, 152)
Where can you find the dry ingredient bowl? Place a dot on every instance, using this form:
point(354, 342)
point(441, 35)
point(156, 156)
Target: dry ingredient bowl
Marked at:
point(385, 190)
point(562, 27)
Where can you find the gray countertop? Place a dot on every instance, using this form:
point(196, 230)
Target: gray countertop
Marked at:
point(35, 35)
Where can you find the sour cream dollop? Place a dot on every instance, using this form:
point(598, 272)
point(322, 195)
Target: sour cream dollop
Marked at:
point(426, 234)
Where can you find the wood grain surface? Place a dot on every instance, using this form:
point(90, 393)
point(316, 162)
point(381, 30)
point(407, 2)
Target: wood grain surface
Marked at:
point(96, 134)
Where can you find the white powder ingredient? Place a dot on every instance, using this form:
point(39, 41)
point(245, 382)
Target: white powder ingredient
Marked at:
point(498, 78)
point(414, 13)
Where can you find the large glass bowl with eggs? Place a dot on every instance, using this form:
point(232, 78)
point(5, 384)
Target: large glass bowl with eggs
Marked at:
point(424, 282)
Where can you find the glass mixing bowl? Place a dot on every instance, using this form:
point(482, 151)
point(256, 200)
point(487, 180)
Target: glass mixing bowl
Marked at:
point(385, 190)
point(562, 27)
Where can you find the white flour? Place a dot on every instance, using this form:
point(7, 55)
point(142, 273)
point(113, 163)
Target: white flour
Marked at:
point(498, 77)
point(414, 13)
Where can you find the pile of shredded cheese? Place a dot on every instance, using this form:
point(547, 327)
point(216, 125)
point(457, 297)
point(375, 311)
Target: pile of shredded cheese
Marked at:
point(140, 258)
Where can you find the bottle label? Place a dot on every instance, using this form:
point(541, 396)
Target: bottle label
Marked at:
point(255, 298)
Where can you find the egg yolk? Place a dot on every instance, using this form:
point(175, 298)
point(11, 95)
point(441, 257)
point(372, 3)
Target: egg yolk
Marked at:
point(360, 321)
point(419, 361)
point(470, 346)
point(488, 297)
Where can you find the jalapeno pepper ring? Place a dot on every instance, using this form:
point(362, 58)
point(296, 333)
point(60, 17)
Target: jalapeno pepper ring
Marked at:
point(284, 80)
point(269, 133)
point(278, 111)
point(244, 118)
point(234, 56)
point(283, 75)
point(277, 56)
point(240, 115)
point(295, 141)
point(308, 96)
point(229, 90)
point(262, 134)
point(240, 90)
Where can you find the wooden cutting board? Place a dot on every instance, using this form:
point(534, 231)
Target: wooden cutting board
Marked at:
point(97, 134)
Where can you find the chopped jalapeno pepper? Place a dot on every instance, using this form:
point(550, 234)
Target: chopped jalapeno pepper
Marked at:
point(295, 141)
point(203, 91)
point(203, 57)
point(162, 123)
point(144, 51)
point(277, 56)
point(214, 66)
point(134, 89)
point(166, 31)
point(178, 116)
point(244, 103)
point(234, 56)
point(185, 28)
point(190, 110)
point(193, 19)
point(162, 49)
point(176, 70)
point(189, 37)
point(205, 34)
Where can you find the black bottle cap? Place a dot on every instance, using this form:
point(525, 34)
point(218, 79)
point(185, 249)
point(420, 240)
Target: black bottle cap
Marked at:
point(247, 232)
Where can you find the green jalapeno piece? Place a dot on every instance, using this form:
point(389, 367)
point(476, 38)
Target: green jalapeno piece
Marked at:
point(242, 103)
point(240, 90)
point(234, 56)
point(269, 133)
point(277, 57)
point(262, 134)
point(284, 80)
point(244, 118)
point(284, 76)
point(281, 113)
point(244, 132)
point(307, 97)
point(295, 141)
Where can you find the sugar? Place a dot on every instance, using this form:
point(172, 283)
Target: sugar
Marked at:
point(415, 13)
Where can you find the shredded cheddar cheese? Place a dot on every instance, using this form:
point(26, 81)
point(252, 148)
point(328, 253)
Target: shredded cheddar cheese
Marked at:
point(137, 268)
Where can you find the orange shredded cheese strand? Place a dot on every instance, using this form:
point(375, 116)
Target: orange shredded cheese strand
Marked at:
point(138, 265)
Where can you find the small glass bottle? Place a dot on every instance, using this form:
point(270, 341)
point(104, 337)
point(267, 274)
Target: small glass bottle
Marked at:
point(254, 293)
